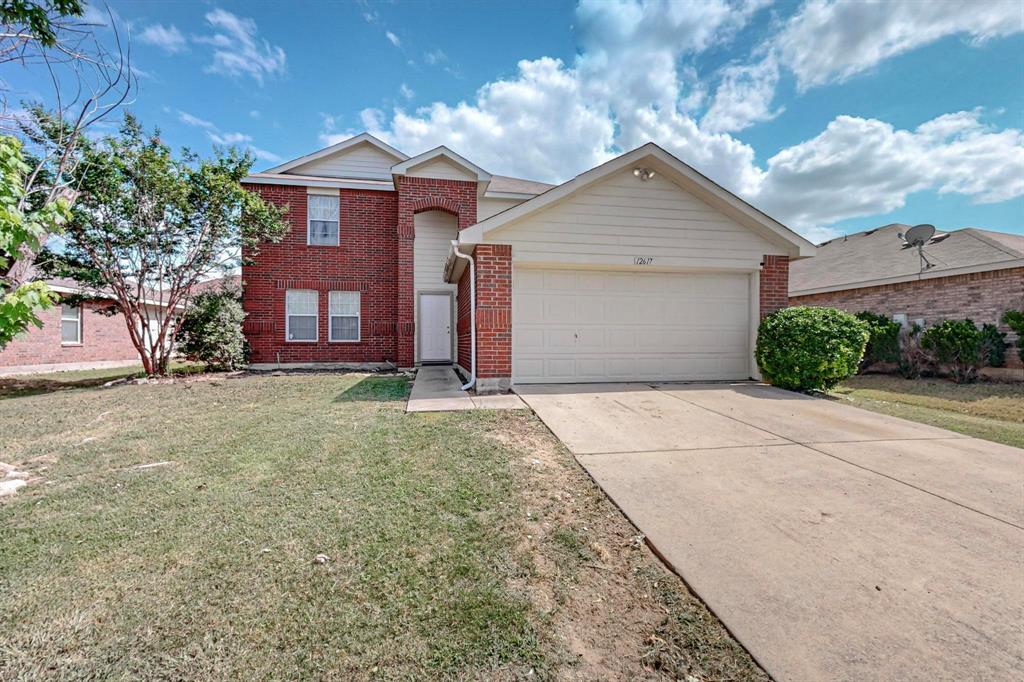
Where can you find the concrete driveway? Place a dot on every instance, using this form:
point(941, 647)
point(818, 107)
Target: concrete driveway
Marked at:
point(835, 543)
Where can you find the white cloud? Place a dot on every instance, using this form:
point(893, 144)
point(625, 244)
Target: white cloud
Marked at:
point(634, 82)
point(217, 136)
point(860, 167)
point(255, 113)
point(832, 40)
point(743, 98)
point(167, 38)
point(392, 38)
point(189, 119)
point(435, 57)
point(406, 91)
point(537, 124)
point(238, 49)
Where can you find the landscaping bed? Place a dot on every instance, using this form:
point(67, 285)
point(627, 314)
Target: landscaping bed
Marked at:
point(990, 410)
point(304, 526)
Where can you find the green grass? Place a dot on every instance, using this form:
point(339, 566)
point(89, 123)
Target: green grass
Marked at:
point(203, 567)
point(992, 411)
point(48, 382)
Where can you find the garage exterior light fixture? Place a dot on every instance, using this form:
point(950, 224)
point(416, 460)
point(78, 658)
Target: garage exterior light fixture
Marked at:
point(644, 174)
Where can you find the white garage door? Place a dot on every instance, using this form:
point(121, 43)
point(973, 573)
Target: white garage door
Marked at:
point(582, 325)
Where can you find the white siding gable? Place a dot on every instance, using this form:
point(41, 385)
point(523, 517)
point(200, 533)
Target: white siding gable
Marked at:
point(621, 218)
point(435, 231)
point(363, 161)
point(442, 169)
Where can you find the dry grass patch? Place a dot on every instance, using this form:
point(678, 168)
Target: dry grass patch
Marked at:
point(461, 546)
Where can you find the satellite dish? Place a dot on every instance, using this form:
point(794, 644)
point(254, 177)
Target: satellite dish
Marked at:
point(915, 238)
point(919, 235)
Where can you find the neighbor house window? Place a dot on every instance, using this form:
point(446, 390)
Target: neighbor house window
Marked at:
point(300, 315)
point(344, 314)
point(323, 220)
point(70, 325)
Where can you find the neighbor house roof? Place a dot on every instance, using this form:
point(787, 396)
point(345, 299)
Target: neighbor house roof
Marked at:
point(66, 285)
point(877, 257)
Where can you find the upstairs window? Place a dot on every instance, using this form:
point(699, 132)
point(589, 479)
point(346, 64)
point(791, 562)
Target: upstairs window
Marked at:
point(323, 220)
point(344, 314)
point(70, 325)
point(300, 315)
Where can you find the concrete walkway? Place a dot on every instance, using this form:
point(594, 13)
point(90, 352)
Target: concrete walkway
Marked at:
point(438, 389)
point(835, 543)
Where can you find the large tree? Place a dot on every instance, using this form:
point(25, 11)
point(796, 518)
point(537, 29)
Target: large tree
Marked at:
point(147, 226)
point(82, 80)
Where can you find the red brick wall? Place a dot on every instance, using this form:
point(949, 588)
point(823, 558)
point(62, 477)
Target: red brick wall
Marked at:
point(493, 310)
point(774, 285)
point(464, 339)
point(104, 339)
point(416, 195)
point(980, 296)
point(365, 261)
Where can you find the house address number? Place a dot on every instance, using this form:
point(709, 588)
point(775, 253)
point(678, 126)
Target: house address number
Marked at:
point(643, 260)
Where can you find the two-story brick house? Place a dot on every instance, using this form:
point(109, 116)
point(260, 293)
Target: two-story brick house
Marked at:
point(639, 269)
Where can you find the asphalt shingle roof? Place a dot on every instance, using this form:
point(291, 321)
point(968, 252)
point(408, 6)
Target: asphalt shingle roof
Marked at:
point(859, 259)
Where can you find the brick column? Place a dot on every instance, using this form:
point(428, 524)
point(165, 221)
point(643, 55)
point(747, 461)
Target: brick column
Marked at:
point(493, 317)
point(774, 285)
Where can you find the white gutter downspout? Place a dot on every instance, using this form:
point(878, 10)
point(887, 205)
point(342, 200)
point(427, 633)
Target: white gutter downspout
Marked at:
point(472, 315)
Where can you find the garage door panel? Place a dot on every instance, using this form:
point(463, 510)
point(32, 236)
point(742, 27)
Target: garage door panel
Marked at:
point(579, 325)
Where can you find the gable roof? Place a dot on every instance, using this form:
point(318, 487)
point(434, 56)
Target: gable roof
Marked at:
point(681, 173)
point(335, 148)
point(876, 257)
point(503, 184)
point(441, 152)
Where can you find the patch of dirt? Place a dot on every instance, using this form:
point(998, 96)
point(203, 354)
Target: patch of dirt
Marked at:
point(612, 604)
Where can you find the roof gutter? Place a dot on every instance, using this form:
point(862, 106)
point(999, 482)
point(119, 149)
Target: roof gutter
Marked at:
point(472, 315)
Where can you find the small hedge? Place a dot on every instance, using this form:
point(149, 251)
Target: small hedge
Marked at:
point(211, 330)
point(810, 349)
point(883, 342)
point(958, 345)
point(1014, 319)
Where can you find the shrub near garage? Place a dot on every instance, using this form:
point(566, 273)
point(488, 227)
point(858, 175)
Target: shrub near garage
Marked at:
point(810, 349)
point(883, 342)
point(956, 344)
point(1014, 319)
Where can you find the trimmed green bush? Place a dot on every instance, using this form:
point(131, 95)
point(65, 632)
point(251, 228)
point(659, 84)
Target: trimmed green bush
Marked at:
point(1014, 319)
point(211, 330)
point(810, 349)
point(956, 344)
point(883, 342)
point(993, 346)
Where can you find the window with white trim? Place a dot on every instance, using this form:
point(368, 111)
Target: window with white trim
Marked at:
point(344, 315)
point(70, 325)
point(300, 315)
point(322, 212)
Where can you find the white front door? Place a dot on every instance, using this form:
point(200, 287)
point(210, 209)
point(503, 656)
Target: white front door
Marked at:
point(435, 328)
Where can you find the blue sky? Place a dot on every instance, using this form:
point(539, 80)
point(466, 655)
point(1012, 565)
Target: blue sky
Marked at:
point(832, 116)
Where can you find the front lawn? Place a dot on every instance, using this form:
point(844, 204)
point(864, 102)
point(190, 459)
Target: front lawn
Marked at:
point(173, 530)
point(993, 411)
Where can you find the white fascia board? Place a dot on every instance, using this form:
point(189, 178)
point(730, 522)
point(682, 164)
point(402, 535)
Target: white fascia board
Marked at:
point(340, 146)
point(302, 181)
point(453, 265)
point(710, 190)
point(508, 195)
point(900, 279)
point(409, 163)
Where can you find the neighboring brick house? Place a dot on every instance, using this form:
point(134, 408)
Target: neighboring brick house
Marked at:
point(976, 274)
point(638, 269)
point(72, 337)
